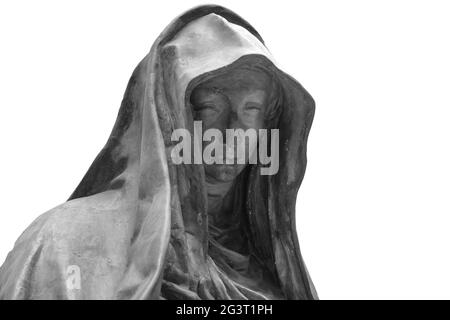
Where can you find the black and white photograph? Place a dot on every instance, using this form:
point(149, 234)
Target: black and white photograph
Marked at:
point(230, 151)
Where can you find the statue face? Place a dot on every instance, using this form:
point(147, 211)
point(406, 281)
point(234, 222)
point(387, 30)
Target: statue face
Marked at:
point(235, 100)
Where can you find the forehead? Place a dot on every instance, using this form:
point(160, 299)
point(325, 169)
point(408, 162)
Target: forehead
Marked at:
point(239, 80)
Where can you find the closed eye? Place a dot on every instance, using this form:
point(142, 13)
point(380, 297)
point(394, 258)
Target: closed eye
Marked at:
point(206, 111)
point(251, 106)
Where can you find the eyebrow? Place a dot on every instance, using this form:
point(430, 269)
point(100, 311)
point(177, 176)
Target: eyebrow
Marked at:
point(254, 103)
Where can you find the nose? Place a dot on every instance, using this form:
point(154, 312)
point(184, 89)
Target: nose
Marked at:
point(232, 116)
point(229, 120)
point(233, 120)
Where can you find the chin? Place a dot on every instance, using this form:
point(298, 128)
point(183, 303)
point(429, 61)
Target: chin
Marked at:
point(224, 172)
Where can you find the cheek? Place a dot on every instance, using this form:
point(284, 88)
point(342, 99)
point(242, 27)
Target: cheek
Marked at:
point(253, 119)
point(206, 117)
point(216, 120)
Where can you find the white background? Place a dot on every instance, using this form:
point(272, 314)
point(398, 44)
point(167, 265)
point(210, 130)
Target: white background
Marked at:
point(373, 210)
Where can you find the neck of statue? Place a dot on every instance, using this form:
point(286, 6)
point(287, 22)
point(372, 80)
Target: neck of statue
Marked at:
point(217, 192)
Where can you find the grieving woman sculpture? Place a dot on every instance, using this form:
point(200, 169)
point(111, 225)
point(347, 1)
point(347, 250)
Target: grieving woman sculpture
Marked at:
point(140, 226)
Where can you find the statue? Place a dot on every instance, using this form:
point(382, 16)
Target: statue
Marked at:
point(142, 224)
